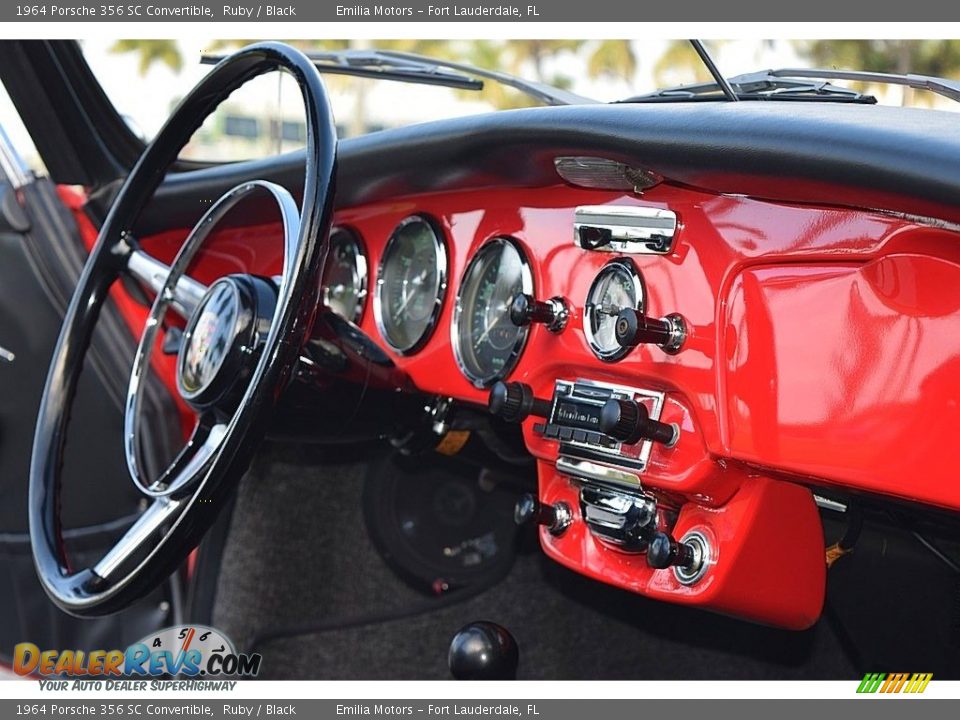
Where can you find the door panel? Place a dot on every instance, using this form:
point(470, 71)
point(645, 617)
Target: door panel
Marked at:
point(41, 256)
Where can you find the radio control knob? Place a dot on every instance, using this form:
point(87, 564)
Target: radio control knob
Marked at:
point(515, 402)
point(633, 327)
point(553, 313)
point(628, 421)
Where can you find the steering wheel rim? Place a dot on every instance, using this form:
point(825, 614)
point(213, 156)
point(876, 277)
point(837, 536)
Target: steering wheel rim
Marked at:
point(84, 592)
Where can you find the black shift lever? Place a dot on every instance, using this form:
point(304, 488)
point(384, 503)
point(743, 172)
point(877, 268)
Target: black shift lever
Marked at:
point(483, 651)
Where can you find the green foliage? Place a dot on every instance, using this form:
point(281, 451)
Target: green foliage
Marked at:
point(164, 52)
point(680, 63)
point(614, 59)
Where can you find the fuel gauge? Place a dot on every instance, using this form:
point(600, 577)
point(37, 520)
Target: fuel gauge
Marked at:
point(618, 285)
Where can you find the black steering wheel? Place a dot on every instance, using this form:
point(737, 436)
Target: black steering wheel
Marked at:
point(241, 342)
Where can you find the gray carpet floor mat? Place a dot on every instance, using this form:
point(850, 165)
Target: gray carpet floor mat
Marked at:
point(302, 584)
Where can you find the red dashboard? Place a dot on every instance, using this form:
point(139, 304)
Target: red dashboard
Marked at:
point(822, 349)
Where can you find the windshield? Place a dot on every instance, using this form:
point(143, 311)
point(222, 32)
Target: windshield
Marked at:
point(146, 78)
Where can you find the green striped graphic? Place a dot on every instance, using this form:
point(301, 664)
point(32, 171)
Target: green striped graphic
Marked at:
point(871, 682)
point(894, 682)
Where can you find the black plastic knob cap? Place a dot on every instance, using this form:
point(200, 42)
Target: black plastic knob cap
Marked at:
point(633, 327)
point(527, 509)
point(505, 400)
point(526, 309)
point(483, 651)
point(627, 328)
point(628, 421)
point(515, 402)
point(622, 419)
point(663, 552)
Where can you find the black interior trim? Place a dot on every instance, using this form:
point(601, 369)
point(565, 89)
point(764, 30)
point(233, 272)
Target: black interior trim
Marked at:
point(78, 133)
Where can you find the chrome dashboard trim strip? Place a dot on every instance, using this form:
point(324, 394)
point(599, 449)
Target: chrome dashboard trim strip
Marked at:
point(587, 470)
point(631, 229)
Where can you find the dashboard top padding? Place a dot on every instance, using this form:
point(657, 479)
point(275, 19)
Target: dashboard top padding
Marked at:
point(890, 157)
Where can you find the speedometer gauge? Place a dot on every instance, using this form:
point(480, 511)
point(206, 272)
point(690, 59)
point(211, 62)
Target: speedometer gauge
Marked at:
point(617, 286)
point(487, 344)
point(345, 276)
point(411, 283)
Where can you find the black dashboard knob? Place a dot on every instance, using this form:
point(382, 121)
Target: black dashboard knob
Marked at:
point(628, 421)
point(633, 327)
point(483, 651)
point(526, 309)
point(556, 518)
point(515, 402)
point(663, 552)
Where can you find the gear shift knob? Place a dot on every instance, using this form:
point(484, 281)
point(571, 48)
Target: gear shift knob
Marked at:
point(483, 651)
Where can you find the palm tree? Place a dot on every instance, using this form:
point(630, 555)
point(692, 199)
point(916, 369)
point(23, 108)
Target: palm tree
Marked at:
point(164, 52)
point(680, 61)
point(613, 58)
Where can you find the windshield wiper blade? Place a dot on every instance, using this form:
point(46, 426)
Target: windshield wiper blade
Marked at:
point(371, 64)
point(764, 85)
point(941, 86)
point(547, 94)
point(421, 69)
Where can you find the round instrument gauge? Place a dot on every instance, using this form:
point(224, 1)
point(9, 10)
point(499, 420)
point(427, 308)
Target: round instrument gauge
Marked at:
point(345, 276)
point(411, 283)
point(617, 286)
point(486, 343)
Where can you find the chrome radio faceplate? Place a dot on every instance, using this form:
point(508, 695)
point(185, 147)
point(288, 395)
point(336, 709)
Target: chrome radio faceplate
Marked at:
point(587, 453)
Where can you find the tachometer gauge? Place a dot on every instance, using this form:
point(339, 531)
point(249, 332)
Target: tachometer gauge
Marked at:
point(486, 343)
point(345, 276)
point(411, 283)
point(617, 286)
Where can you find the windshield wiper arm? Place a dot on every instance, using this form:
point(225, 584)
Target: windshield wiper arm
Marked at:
point(805, 83)
point(424, 70)
point(547, 94)
point(370, 64)
point(941, 86)
point(712, 68)
point(764, 85)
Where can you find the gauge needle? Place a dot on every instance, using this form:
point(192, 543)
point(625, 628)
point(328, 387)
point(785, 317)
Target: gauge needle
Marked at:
point(416, 281)
point(403, 306)
point(486, 330)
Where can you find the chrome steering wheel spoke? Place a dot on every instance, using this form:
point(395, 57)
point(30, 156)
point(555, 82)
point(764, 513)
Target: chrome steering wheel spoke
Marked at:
point(153, 273)
point(139, 538)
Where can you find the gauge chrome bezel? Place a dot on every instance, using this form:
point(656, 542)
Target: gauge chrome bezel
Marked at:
point(440, 264)
point(526, 284)
point(621, 264)
point(362, 272)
